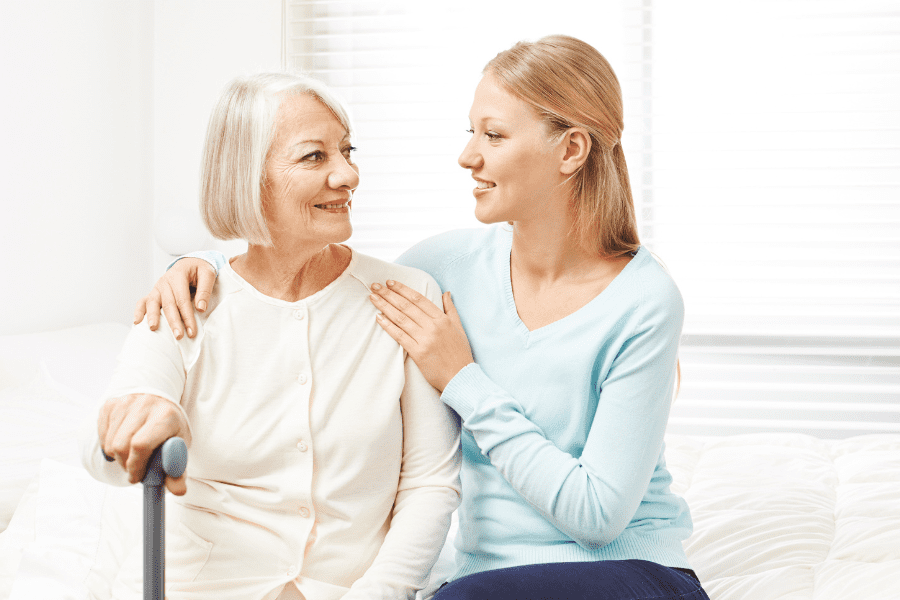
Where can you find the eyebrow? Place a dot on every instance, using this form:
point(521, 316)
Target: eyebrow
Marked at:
point(346, 138)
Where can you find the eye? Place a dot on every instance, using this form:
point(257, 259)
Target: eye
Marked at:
point(316, 156)
point(347, 150)
point(493, 136)
point(470, 131)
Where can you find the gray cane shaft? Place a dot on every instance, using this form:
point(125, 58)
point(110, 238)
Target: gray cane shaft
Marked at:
point(154, 542)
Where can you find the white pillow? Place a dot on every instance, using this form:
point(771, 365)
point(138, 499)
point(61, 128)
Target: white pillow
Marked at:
point(84, 531)
point(16, 537)
point(38, 419)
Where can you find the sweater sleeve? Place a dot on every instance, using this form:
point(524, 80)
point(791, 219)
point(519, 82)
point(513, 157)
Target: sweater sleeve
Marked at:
point(151, 362)
point(215, 259)
point(592, 497)
point(427, 494)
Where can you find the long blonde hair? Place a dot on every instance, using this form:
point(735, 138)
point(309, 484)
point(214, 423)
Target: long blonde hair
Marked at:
point(570, 84)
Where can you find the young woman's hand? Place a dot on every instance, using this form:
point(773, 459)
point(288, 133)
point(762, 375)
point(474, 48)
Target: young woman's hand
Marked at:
point(172, 294)
point(131, 427)
point(434, 338)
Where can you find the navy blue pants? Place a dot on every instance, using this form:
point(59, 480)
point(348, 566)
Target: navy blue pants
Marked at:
point(601, 580)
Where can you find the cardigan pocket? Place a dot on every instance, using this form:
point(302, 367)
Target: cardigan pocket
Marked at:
point(186, 555)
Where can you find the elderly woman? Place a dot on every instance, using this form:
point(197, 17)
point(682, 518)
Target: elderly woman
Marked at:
point(323, 465)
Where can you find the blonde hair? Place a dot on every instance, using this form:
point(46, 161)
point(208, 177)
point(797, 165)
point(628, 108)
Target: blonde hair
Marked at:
point(238, 138)
point(570, 84)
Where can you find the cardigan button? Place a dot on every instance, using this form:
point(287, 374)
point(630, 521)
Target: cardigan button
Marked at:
point(302, 379)
point(304, 512)
point(302, 447)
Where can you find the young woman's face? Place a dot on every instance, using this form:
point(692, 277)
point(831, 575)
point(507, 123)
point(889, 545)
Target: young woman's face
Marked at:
point(309, 174)
point(514, 164)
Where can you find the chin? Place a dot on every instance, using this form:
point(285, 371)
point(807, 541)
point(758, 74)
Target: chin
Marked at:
point(489, 218)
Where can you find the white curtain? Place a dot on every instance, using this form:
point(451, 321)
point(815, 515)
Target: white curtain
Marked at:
point(763, 141)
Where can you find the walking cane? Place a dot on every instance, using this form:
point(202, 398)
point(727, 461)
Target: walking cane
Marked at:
point(168, 459)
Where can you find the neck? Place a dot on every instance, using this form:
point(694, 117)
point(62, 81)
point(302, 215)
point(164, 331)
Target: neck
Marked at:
point(291, 273)
point(543, 248)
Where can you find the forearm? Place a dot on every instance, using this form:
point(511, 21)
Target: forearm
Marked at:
point(152, 365)
point(419, 525)
point(591, 497)
point(428, 492)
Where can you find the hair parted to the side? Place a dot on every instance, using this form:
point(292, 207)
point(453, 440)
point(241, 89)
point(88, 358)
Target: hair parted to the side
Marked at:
point(570, 84)
point(238, 138)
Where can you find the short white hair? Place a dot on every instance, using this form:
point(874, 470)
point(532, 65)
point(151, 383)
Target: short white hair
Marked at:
point(240, 132)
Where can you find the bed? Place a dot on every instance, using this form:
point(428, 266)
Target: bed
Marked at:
point(776, 516)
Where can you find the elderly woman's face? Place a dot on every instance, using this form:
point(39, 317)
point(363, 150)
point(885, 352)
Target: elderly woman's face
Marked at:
point(309, 175)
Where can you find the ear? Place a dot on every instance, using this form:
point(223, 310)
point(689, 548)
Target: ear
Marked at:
point(577, 144)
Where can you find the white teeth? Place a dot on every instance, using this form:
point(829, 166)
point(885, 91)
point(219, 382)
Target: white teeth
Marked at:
point(482, 185)
point(331, 206)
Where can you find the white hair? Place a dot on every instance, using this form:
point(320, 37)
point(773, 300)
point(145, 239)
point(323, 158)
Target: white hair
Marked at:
point(240, 132)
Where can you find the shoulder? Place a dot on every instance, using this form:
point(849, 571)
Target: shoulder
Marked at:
point(439, 253)
point(368, 270)
point(656, 296)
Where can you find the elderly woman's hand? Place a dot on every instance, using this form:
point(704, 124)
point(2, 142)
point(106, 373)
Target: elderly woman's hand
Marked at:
point(172, 294)
point(130, 428)
point(434, 338)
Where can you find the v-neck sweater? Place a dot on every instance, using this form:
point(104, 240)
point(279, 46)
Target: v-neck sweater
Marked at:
point(563, 454)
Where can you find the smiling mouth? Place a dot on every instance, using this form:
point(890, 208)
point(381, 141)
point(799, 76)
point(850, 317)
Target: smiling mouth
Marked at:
point(336, 206)
point(484, 185)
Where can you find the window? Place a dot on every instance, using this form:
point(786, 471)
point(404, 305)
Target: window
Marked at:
point(763, 142)
point(767, 169)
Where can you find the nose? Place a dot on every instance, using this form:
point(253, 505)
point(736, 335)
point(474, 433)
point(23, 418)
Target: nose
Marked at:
point(345, 174)
point(470, 157)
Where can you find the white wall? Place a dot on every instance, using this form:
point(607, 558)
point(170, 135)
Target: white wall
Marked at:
point(74, 161)
point(199, 45)
point(101, 123)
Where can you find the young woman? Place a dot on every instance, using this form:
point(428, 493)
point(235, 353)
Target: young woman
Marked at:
point(566, 376)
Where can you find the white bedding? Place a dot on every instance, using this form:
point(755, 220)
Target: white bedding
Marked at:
point(776, 516)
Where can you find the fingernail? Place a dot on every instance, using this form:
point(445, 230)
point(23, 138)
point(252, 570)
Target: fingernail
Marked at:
point(201, 305)
point(376, 286)
point(177, 333)
point(190, 332)
point(390, 282)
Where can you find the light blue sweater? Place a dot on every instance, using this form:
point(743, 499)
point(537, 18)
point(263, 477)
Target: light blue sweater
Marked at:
point(562, 426)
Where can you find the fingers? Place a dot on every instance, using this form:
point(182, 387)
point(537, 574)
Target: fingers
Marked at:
point(182, 293)
point(170, 307)
point(130, 428)
point(140, 309)
point(398, 334)
point(124, 421)
point(206, 279)
point(415, 298)
point(153, 306)
point(450, 310)
point(177, 486)
point(398, 314)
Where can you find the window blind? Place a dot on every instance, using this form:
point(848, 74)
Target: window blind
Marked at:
point(384, 59)
point(768, 175)
point(763, 143)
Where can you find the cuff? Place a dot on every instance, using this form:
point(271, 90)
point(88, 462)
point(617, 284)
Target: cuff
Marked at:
point(216, 259)
point(467, 387)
